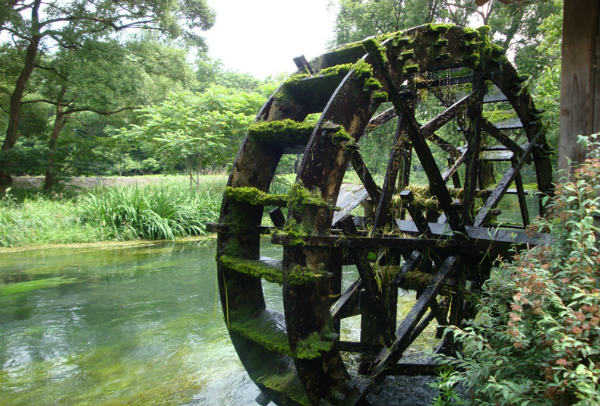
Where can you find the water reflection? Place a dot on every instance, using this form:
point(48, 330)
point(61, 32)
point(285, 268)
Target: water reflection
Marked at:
point(115, 327)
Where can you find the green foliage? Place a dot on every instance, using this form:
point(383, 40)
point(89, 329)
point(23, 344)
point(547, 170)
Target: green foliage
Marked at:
point(155, 213)
point(39, 219)
point(194, 131)
point(536, 339)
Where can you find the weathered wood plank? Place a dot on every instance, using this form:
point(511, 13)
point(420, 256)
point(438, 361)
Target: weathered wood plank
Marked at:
point(489, 128)
point(408, 326)
point(347, 304)
point(506, 180)
point(443, 118)
point(522, 200)
point(348, 199)
point(365, 176)
point(382, 213)
point(418, 218)
point(381, 119)
point(491, 234)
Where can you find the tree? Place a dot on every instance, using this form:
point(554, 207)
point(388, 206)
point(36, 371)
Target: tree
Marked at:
point(40, 27)
point(195, 131)
point(106, 78)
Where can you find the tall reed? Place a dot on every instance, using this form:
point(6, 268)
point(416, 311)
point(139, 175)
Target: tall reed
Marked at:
point(151, 212)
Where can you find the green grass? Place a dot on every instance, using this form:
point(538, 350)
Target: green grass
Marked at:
point(164, 210)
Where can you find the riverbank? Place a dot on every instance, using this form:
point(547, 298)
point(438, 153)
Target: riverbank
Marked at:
point(109, 245)
point(134, 208)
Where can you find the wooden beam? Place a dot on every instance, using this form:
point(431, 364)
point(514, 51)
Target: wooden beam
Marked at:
point(437, 122)
point(408, 326)
point(381, 119)
point(365, 176)
point(500, 190)
point(579, 92)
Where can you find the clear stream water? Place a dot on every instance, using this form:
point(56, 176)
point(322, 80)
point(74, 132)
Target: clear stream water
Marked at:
point(116, 327)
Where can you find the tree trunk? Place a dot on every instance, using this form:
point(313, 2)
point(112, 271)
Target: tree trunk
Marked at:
point(14, 114)
point(580, 78)
point(59, 122)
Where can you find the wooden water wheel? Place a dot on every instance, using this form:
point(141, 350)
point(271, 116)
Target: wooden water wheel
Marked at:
point(438, 237)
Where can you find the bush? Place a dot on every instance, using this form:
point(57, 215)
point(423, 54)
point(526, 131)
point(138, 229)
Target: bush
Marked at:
point(536, 339)
point(163, 212)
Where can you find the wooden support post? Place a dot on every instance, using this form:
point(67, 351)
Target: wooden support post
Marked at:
point(580, 78)
point(521, 196)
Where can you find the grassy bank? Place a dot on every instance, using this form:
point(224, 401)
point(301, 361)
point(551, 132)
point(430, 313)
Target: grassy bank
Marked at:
point(164, 210)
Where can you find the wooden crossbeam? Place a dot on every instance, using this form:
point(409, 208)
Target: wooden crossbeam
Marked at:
point(389, 181)
point(406, 332)
point(499, 191)
point(492, 130)
point(347, 304)
point(439, 121)
point(365, 176)
point(381, 119)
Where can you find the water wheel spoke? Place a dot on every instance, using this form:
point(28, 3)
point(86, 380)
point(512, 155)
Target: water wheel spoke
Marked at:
point(420, 221)
point(365, 176)
point(383, 204)
point(407, 327)
point(447, 115)
point(472, 162)
point(443, 144)
point(347, 304)
point(381, 119)
point(504, 139)
point(499, 191)
point(521, 197)
point(450, 172)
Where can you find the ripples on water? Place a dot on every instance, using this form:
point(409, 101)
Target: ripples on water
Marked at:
point(116, 326)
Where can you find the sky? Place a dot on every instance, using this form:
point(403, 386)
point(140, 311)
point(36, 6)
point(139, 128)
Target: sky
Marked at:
point(261, 37)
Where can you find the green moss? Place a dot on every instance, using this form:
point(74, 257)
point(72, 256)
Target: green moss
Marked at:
point(362, 69)
point(336, 70)
point(473, 59)
point(281, 133)
point(301, 275)
point(253, 268)
point(300, 196)
point(470, 33)
point(443, 57)
point(373, 46)
point(401, 41)
point(341, 136)
point(379, 97)
point(471, 46)
point(406, 55)
point(411, 69)
point(312, 346)
point(28, 286)
point(372, 84)
point(484, 30)
point(293, 232)
point(254, 196)
point(439, 28)
point(262, 330)
point(287, 383)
